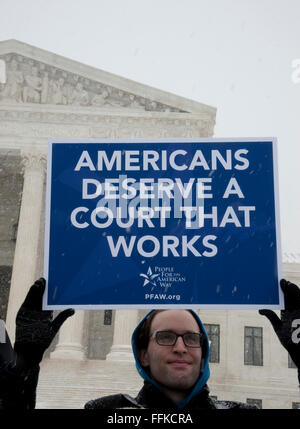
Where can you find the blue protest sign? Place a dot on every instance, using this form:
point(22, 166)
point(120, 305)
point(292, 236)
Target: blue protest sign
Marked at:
point(162, 224)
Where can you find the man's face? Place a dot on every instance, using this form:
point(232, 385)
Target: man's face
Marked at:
point(175, 368)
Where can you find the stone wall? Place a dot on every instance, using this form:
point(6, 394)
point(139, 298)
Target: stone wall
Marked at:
point(100, 334)
point(11, 182)
point(5, 276)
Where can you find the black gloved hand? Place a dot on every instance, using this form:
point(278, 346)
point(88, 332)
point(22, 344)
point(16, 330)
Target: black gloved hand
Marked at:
point(35, 328)
point(19, 368)
point(287, 328)
point(17, 385)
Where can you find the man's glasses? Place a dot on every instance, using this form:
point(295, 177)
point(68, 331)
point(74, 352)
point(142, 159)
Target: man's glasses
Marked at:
point(169, 338)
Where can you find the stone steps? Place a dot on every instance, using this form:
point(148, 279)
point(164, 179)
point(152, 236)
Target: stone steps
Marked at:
point(69, 384)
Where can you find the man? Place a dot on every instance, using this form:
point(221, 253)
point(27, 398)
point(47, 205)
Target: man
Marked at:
point(171, 349)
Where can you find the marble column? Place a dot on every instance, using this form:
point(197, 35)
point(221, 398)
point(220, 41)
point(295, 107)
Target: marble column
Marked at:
point(125, 323)
point(70, 341)
point(26, 250)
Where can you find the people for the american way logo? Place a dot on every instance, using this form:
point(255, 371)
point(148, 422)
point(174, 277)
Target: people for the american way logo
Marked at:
point(149, 277)
point(163, 277)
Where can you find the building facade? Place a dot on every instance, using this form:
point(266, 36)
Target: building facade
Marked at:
point(42, 96)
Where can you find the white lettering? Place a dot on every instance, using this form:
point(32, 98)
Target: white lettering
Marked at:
point(201, 188)
point(185, 190)
point(238, 157)
point(150, 157)
point(188, 245)
point(136, 160)
point(85, 187)
point(95, 214)
point(188, 212)
point(141, 250)
point(171, 418)
point(146, 188)
point(109, 164)
point(131, 189)
point(164, 187)
point(213, 216)
point(124, 419)
point(144, 214)
point(170, 242)
point(212, 247)
point(246, 210)
point(131, 159)
point(111, 189)
point(225, 162)
point(233, 188)
point(230, 217)
point(121, 243)
point(74, 220)
point(149, 245)
point(85, 161)
point(172, 160)
point(198, 161)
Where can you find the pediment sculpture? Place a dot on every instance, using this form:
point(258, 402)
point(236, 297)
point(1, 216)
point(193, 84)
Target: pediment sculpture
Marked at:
point(30, 81)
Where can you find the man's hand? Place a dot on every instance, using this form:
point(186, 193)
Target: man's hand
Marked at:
point(19, 368)
point(287, 327)
point(35, 328)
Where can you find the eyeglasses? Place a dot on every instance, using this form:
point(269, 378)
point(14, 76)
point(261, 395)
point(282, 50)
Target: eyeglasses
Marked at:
point(169, 338)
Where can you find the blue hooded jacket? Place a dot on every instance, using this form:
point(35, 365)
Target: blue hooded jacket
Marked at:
point(204, 373)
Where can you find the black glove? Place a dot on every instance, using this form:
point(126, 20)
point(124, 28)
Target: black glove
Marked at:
point(17, 385)
point(35, 328)
point(19, 368)
point(287, 327)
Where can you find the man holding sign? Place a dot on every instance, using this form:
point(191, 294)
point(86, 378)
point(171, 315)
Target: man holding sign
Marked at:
point(166, 225)
point(170, 347)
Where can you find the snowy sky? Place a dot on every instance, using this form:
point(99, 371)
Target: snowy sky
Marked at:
point(236, 55)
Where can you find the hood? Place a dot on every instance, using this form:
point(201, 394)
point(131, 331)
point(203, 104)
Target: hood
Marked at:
point(204, 374)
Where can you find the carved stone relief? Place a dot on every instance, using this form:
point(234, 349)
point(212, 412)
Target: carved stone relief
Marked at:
point(30, 81)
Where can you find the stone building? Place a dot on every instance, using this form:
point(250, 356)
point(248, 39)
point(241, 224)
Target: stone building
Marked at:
point(43, 95)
